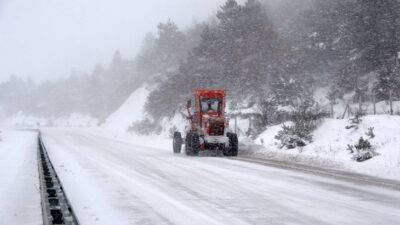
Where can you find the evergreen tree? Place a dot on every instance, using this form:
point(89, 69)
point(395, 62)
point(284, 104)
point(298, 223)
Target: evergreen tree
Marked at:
point(236, 54)
point(388, 80)
point(163, 53)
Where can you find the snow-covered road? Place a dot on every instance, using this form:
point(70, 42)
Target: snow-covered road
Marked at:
point(116, 182)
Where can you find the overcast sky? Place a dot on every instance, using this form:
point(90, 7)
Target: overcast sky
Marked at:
point(46, 39)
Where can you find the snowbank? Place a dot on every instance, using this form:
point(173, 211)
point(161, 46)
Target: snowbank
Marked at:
point(19, 183)
point(131, 111)
point(329, 147)
point(21, 120)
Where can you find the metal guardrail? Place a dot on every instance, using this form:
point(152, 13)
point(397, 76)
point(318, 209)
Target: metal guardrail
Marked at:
point(56, 209)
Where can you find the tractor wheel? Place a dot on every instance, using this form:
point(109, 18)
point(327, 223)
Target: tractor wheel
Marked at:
point(195, 144)
point(233, 145)
point(177, 142)
point(187, 143)
point(192, 144)
point(188, 150)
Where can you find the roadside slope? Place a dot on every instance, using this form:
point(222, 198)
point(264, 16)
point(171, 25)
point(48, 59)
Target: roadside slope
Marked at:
point(131, 111)
point(329, 148)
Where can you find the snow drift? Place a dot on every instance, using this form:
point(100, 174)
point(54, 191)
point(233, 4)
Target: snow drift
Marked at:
point(330, 145)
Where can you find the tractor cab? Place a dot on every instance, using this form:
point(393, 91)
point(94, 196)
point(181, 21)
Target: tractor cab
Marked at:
point(208, 126)
point(208, 110)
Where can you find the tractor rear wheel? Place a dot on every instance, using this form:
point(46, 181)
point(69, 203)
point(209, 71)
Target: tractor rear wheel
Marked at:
point(233, 145)
point(193, 144)
point(177, 142)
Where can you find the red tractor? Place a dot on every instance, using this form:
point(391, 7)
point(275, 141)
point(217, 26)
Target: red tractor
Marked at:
point(208, 126)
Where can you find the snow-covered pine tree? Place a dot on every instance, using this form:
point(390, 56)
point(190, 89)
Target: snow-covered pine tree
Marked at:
point(292, 90)
point(388, 80)
point(162, 53)
point(171, 44)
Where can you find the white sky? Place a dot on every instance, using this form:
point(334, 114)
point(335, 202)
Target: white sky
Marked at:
point(46, 39)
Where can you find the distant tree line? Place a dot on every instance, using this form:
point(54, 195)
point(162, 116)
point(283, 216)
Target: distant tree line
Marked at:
point(97, 94)
point(102, 91)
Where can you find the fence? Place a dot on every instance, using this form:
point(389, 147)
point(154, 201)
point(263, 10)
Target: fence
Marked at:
point(243, 124)
point(389, 107)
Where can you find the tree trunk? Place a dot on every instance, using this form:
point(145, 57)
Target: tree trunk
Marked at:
point(348, 110)
point(249, 131)
point(391, 102)
point(374, 102)
point(236, 131)
point(345, 110)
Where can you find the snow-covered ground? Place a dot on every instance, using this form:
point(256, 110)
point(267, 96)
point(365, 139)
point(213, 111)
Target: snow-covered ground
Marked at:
point(112, 176)
point(113, 181)
point(19, 181)
point(330, 146)
point(115, 177)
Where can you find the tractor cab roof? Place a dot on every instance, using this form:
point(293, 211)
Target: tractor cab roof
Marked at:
point(210, 93)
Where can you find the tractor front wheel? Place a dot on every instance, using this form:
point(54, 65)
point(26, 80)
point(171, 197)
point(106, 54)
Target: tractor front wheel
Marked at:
point(233, 145)
point(177, 142)
point(192, 144)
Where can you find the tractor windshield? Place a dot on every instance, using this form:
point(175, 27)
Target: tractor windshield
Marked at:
point(210, 105)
